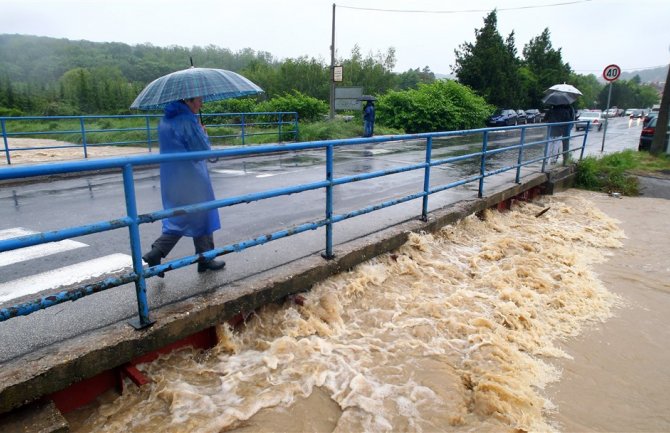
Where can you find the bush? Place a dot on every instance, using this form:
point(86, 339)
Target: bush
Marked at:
point(308, 108)
point(439, 106)
point(236, 105)
point(10, 112)
point(339, 129)
point(608, 174)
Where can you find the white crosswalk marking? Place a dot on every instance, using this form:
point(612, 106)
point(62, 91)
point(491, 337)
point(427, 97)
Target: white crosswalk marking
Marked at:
point(34, 252)
point(234, 172)
point(65, 276)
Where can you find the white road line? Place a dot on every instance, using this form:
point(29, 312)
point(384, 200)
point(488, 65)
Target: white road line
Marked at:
point(235, 172)
point(66, 276)
point(34, 252)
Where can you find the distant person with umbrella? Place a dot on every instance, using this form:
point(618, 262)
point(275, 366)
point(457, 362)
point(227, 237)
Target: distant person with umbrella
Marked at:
point(369, 118)
point(560, 133)
point(185, 183)
point(560, 97)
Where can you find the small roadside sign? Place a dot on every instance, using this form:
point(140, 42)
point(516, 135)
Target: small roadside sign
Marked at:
point(337, 74)
point(611, 72)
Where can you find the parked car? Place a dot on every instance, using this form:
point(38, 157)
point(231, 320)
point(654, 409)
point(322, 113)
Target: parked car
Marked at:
point(521, 117)
point(502, 117)
point(651, 115)
point(534, 115)
point(647, 135)
point(596, 118)
point(611, 112)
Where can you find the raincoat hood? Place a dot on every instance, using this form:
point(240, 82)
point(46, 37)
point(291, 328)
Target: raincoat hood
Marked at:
point(176, 108)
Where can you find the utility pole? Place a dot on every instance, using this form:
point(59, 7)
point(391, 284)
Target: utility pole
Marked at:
point(332, 70)
point(658, 143)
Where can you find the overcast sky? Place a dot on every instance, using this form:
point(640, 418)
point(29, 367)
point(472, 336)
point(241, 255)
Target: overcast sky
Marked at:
point(635, 34)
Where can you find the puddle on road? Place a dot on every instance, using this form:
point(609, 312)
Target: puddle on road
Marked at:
point(453, 331)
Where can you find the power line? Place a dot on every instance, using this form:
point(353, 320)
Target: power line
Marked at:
point(623, 70)
point(462, 11)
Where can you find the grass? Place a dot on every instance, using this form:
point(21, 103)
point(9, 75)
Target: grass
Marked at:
point(617, 172)
point(339, 129)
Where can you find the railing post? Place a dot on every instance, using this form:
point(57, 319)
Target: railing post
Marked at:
point(136, 251)
point(280, 123)
point(426, 179)
point(586, 134)
point(520, 158)
point(482, 166)
point(83, 135)
point(148, 131)
point(4, 138)
point(546, 148)
point(328, 254)
point(243, 124)
point(295, 126)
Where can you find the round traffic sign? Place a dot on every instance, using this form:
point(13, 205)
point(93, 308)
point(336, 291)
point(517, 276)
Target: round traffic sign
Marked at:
point(611, 72)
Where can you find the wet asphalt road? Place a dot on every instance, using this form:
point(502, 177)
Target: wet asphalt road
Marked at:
point(68, 203)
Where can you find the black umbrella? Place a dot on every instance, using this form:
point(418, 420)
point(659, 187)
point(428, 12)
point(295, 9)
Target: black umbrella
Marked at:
point(559, 98)
point(367, 98)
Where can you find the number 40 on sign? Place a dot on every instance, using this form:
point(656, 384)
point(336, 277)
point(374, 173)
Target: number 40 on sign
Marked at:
point(611, 72)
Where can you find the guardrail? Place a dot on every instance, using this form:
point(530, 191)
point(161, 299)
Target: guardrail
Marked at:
point(140, 129)
point(539, 143)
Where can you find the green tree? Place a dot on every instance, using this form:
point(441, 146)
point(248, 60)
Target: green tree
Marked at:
point(590, 88)
point(373, 73)
point(545, 64)
point(489, 65)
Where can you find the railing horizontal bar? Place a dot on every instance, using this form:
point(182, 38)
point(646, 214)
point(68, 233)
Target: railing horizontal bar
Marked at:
point(230, 201)
point(67, 295)
point(59, 235)
point(454, 184)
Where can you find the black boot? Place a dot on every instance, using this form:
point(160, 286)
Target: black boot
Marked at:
point(211, 265)
point(153, 258)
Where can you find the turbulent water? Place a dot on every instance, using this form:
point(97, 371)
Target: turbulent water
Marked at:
point(452, 332)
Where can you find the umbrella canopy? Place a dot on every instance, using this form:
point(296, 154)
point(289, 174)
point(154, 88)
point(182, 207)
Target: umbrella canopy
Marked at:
point(559, 98)
point(367, 98)
point(210, 84)
point(565, 88)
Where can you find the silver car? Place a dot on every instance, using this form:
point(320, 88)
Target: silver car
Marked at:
point(596, 118)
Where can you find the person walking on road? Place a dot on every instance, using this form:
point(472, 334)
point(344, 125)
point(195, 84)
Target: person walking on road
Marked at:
point(369, 119)
point(184, 183)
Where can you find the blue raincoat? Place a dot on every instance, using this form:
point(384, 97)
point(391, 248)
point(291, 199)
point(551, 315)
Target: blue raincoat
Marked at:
point(185, 182)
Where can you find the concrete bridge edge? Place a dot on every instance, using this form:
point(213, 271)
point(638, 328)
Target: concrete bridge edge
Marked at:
point(52, 369)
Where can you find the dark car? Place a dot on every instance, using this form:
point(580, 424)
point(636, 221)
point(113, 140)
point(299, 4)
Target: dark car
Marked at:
point(502, 117)
point(646, 119)
point(636, 114)
point(647, 134)
point(534, 116)
point(521, 117)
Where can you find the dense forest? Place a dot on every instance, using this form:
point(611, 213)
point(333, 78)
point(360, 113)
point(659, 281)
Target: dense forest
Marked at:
point(49, 76)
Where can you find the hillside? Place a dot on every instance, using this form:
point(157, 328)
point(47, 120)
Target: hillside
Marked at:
point(655, 75)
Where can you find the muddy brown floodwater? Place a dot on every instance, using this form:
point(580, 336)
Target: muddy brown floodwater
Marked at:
point(511, 323)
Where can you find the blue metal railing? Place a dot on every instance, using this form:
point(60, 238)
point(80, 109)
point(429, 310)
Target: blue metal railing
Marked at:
point(84, 131)
point(132, 220)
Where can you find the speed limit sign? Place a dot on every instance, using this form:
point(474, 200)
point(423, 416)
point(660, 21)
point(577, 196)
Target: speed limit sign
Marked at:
point(611, 72)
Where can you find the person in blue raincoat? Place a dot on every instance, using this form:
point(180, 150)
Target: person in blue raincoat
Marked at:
point(369, 119)
point(185, 183)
